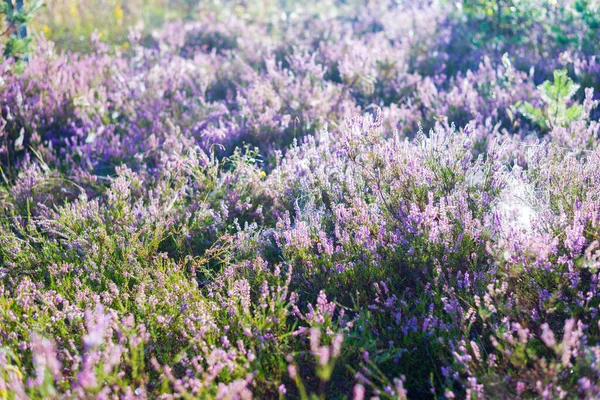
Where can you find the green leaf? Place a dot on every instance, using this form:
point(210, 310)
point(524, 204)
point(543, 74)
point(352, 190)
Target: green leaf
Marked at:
point(563, 87)
point(574, 112)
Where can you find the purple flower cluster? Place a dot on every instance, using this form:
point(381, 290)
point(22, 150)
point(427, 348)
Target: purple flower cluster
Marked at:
point(343, 204)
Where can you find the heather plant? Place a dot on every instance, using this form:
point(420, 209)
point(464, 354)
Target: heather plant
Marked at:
point(299, 200)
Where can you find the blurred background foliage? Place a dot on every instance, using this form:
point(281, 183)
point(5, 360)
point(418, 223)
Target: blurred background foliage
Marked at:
point(528, 26)
point(478, 25)
point(493, 24)
point(70, 22)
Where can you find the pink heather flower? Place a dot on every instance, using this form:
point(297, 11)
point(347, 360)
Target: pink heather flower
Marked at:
point(547, 336)
point(114, 357)
point(293, 371)
point(360, 377)
point(315, 337)
point(476, 352)
point(87, 377)
point(44, 356)
point(365, 356)
point(585, 383)
point(282, 389)
point(225, 342)
point(97, 323)
point(521, 386)
point(323, 355)
point(337, 345)
point(359, 392)
point(399, 386)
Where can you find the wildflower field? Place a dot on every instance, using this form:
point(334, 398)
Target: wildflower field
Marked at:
point(343, 199)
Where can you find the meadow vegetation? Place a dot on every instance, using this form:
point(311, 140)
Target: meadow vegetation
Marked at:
point(292, 199)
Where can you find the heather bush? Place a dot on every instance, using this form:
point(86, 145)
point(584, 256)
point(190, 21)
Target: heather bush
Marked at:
point(297, 200)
